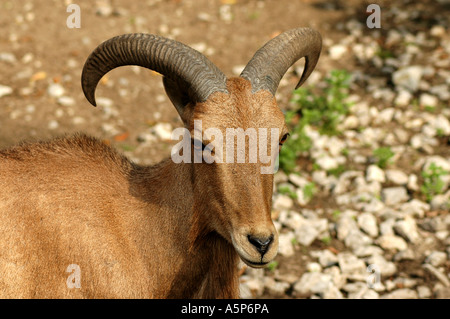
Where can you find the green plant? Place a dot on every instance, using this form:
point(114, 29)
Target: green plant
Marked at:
point(432, 182)
point(127, 147)
point(309, 190)
point(384, 53)
point(326, 240)
point(383, 156)
point(335, 214)
point(321, 110)
point(337, 171)
point(272, 265)
point(286, 190)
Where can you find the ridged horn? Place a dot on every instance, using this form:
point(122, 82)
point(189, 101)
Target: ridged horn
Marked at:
point(270, 63)
point(172, 59)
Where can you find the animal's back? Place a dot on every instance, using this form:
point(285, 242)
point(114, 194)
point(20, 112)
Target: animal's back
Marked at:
point(65, 202)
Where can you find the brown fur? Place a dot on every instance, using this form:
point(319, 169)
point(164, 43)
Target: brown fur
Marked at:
point(164, 231)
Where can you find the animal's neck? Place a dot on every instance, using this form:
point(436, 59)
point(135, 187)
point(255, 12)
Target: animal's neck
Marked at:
point(204, 264)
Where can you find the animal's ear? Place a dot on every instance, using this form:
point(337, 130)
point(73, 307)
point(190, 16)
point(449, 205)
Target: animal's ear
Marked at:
point(178, 95)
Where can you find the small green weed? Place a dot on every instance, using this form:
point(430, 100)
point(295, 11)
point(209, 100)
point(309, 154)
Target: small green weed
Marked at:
point(272, 265)
point(309, 190)
point(432, 183)
point(383, 156)
point(286, 190)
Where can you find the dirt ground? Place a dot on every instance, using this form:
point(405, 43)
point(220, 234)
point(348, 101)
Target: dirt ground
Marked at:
point(229, 32)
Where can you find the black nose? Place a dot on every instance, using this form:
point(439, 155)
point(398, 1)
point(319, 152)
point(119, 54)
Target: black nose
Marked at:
point(261, 243)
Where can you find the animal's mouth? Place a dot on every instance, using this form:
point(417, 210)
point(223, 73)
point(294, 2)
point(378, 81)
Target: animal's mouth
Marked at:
point(253, 264)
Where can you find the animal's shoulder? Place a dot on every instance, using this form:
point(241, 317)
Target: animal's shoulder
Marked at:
point(76, 147)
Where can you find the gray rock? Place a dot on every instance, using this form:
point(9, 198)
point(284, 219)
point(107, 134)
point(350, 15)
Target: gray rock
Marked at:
point(442, 293)
point(315, 283)
point(373, 206)
point(280, 177)
point(441, 91)
point(55, 90)
point(385, 267)
point(276, 288)
point(66, 101)
point(408, 77)
point(251, 286)
point(313, 267)
point(163, 131)
point(433, 224)
point(8, 57)
point(356, 239)
point(354, 287)
point(407, 228)
point(415, 208)
point(428, 100)
point(306, 234)
point(407, 254)
point(437, 31)
point(403, 98)
point(5, 90)
point(421, 141)
point(332, 293)
point(337, 51)
point(368, 223)
point(298, 180)
point(387, 227)
point(386, 115)
point(366, 251)
point(352, 266)
point(337, 277)
point(53, 125)
point(394, 195)
point(405, 293)
point(392, 242)
point(396, 176)
point(372, 188)
point(344, 181)
point(360, 290)
point(438, 274)
point(285, 247)
point(282, 202)
point(441, 202)
point(104, 102)
point(326, 258)
point(424, 292)
point(436, 258)
point(291, 219)
point(401, 135)
point(345, 224)
point(146, 137)
point(104, 8)
point(350, 122)
point(405, 282)
point(327, 162)
point(412, 182)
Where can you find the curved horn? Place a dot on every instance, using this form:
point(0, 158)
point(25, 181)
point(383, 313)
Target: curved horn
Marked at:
point(270, 63)
point(172, 59)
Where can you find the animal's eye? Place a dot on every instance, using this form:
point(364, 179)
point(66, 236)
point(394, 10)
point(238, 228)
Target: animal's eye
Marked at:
point(198, 145)
point(283, 139)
